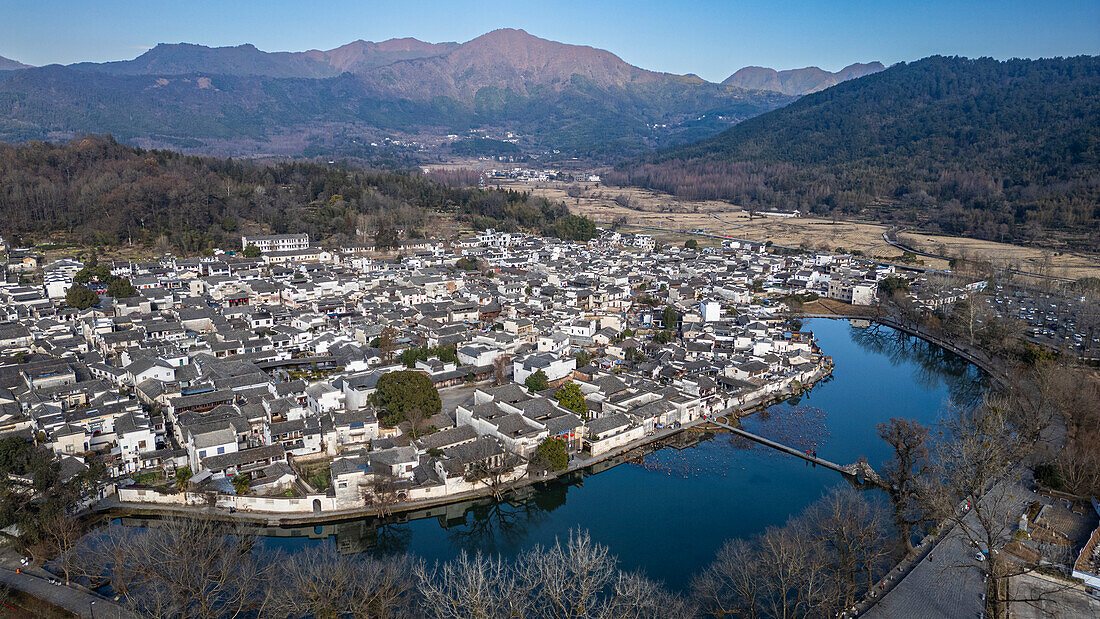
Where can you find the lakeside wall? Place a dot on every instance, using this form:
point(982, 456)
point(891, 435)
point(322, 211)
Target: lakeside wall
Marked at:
point(321, 507)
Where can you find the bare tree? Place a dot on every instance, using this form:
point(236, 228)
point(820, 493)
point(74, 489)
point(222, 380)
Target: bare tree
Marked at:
point(322, 583)
point(852, 533)
point(416, 418)
point(477, 587)
point(382, 493)
point(578, 578)
point(59, 535)
point(980, 488)
point(1080, 468)
point(183, 567)
point(500, 368)
point(733, 583)
point(903, 472)
point(492, 472)
point(387, 343)
point(794, 574)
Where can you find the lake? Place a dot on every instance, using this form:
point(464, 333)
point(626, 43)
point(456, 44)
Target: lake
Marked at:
point(667, 513)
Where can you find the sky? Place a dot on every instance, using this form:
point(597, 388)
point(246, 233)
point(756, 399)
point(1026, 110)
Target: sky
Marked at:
point(711, 38)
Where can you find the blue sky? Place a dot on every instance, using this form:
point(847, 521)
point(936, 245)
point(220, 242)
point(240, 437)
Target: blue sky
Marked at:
point(709, 37)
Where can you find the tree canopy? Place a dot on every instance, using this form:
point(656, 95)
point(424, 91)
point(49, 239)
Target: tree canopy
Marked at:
point(550, 455)
point(121, 288)
point(537, 381)
point(81, 297)
point(399, 392)
point(100, 192)
point(569, 395)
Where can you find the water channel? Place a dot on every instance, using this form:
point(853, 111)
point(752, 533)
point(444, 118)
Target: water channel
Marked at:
point(666, 512)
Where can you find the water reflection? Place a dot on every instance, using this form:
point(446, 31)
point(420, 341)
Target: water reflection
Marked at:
point(666, 510)
point(932, 365)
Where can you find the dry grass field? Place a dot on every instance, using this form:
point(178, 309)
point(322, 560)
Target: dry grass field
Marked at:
point(643, 207)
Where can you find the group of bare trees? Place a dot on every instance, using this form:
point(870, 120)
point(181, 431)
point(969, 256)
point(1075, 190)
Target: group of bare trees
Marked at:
point(575, 578)
point(199, 568)
point(972, 477)
point(817, 564)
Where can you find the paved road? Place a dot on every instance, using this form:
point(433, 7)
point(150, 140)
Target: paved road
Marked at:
point(74, 600)
point(950, 585)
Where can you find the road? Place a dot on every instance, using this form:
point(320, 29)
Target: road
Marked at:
point(950, 584)
point(72, 599)
point(893, 242)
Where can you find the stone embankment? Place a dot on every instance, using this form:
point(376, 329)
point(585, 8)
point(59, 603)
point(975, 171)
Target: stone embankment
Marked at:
point(319, 508)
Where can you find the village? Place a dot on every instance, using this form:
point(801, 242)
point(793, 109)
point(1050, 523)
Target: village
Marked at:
point(316, 381)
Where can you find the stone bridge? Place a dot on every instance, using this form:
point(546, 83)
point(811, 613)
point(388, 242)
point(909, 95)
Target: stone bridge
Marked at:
point(861, 471)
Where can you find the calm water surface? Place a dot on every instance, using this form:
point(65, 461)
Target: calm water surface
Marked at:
point(667, 513)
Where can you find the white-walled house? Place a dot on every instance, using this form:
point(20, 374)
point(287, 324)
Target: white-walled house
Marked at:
point(555, 368)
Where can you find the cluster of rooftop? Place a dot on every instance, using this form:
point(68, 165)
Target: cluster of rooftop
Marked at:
point(265, 367)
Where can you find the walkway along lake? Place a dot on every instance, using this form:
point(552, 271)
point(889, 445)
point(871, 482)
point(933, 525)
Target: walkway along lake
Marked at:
point(668, 511)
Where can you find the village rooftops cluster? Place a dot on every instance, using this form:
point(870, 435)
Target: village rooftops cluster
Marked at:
point(228, 366)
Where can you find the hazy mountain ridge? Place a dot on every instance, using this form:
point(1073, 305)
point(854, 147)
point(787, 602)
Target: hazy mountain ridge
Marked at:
point(7, 64)
point(243, 60)
point(571, 97)
point(798, 81)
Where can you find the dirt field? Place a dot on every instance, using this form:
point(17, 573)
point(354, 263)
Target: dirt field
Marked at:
point(648, 208)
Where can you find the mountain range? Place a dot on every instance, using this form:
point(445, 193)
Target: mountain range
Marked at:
point(798, 81)
point(185, 58)
point(7, 64)
point(1006, 151)
point(241, 100)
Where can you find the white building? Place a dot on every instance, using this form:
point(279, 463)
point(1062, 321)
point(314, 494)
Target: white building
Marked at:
point(856, 293)
point(276, 242)
point(554, 368)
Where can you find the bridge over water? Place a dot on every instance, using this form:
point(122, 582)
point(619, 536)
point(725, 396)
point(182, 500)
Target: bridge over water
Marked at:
point(861, 470)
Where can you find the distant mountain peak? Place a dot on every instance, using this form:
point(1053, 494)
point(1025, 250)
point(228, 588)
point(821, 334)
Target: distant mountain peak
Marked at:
point(798, 81)
point(7, 64)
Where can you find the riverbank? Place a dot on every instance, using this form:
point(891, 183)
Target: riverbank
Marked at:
point(208, 506)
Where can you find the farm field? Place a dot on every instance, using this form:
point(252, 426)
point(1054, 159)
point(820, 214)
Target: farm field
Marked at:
point(646, 208)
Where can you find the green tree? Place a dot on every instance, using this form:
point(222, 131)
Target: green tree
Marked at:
point(447, 354)
point(399, 392)
point(467, 263)
point(583, 358)
point(570, 396)
point(669, 318)
point(183, 476)
point(385, 238)
point(81, 297)
point(890, 285)
point(121, 288)
point(251, 251)
point(663, 336)
point(550, 455)
point(242, 482)
point(93, 271)
point(691, 244)
point(537, 381)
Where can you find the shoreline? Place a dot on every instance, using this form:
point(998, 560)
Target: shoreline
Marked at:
point(118, 509)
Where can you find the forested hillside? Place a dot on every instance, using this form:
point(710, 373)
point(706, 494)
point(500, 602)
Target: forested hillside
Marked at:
point(240, 100)
point(97, 191)
point(997, 150)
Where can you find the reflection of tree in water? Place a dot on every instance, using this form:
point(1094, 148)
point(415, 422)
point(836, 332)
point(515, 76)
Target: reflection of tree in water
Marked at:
point(932, 365)
point(392, 538)
point(379, 537)
point(494, 526)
